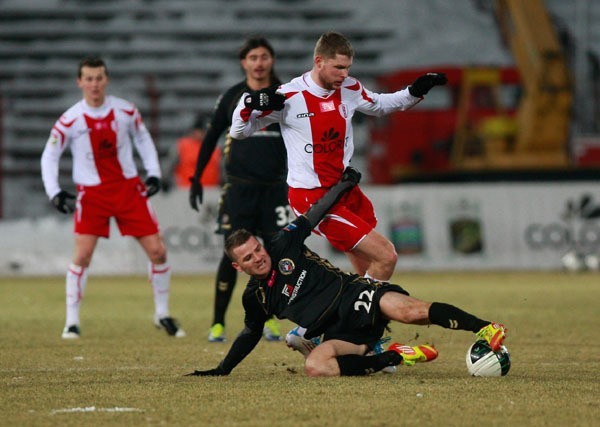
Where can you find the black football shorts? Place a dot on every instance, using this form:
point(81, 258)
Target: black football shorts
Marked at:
point(262, 209)
point(359, 318)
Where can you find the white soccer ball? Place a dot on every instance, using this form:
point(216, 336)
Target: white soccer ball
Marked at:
point(483, 362)
point(592, 262)
point(572, 261)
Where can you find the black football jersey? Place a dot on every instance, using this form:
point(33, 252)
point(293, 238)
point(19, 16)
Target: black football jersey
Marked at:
point(261, 157)
point(301, 286)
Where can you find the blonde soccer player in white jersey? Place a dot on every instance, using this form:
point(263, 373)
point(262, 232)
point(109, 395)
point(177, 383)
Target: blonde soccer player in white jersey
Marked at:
point(315, 113)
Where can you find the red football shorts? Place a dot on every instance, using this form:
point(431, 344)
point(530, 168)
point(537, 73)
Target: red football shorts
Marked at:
point(346, 223)
point(126, 201)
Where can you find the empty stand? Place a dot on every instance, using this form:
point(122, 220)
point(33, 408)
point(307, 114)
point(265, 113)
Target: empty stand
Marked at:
point(186, 53)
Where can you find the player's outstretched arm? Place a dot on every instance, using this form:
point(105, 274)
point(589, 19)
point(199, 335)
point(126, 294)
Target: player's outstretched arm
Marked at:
point(350, 178)
point(241, 347)
point(423, 84)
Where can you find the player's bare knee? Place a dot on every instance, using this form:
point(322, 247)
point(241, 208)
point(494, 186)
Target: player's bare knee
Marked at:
point(83, 260)
point(389, 256)
point(319, 364)
point(386, 267)
point(158, 260)
point(158, 255)
point(312, 369)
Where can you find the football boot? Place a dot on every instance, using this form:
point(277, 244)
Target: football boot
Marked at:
point(494, 334)
point(71, 332)
point(297, 342)
point(170, 325)
point(272, 331)
point(217, 333)
point(413, 354)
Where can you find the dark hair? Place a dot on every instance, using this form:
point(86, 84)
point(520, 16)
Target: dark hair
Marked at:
point(333, 43)
point(253, 43)
point(92, 62)
point(236, 239)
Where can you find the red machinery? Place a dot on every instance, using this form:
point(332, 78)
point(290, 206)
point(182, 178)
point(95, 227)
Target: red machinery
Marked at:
point(476, 103)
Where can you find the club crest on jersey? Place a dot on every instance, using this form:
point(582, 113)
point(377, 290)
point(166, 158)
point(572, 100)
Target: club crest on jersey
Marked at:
point(327, 106)
point(343, 110)
point(286, 266)
point(99, 125)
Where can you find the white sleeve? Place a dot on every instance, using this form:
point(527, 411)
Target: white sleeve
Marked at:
point(379, 104)
point(245, 121)
point(145, 146)
point(55, 146)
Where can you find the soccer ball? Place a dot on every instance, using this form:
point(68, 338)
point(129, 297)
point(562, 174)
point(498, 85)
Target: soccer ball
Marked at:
point(573, 262)
point(483, 362)
point(592, 262)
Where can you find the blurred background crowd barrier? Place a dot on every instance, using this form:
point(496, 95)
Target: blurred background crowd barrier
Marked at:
point(511, 226)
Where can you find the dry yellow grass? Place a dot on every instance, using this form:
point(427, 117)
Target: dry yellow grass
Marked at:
point(124, 372)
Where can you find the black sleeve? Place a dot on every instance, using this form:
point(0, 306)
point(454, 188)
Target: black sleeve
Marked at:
point(289, 237)
point(317, 211)
point(294, 234)
point(219, 122)
point(242, 347)
point(247, 339)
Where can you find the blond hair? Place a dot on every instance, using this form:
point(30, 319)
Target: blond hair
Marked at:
point(333, 43)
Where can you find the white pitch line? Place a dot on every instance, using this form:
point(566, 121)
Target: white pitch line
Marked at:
point(86, 369)
point(93, 409)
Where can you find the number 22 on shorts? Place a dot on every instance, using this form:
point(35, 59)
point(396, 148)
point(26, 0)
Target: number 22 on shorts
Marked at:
point(364, 295)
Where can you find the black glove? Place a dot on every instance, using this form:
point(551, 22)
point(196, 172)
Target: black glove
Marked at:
point(216, 372)
point(265, 99)
point(152, 186)
point(196, 193)
point(351, 175)
point(424, 83)
point(64, 202)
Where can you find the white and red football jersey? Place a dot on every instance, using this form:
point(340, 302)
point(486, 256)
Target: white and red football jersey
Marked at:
point(101, 141)
point(316, 125)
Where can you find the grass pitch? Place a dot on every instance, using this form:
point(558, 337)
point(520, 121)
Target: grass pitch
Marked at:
point(125, 372)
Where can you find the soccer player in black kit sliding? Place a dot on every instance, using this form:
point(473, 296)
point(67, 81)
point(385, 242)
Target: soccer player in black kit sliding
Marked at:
point(254, 192)
point(350, 311)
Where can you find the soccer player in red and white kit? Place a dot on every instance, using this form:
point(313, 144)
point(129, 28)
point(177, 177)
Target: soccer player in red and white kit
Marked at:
point(101, 131)
point(315, 114)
